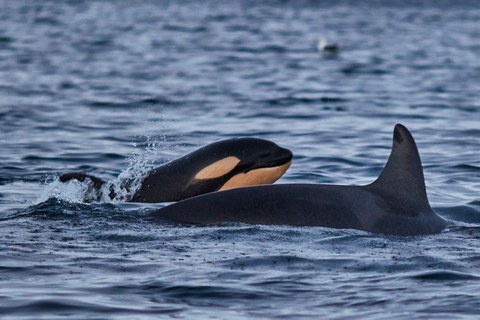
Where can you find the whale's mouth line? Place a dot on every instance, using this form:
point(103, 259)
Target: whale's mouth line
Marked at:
point(274, 163)
point(285, 157)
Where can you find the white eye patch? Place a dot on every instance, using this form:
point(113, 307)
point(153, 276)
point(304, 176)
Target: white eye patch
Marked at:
point(218, 169)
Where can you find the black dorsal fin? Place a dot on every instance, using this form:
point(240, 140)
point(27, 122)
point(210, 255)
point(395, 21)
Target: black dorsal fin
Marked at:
point(402, 178)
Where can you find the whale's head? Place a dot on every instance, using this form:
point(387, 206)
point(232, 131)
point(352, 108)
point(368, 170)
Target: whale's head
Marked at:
point(244, 162)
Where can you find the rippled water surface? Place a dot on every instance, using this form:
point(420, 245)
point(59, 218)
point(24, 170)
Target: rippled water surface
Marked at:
point(110, 88)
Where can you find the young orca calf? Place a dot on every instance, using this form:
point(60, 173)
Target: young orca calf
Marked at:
point(221, 165)
point(396, 203)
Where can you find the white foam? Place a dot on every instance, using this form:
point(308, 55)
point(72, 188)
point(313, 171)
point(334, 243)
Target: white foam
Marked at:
point(130, 180)
point(71, 191)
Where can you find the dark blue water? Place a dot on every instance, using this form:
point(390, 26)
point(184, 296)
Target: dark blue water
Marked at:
point(115, 87)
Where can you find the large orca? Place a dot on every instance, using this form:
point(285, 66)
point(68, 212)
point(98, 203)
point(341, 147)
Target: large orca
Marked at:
point(221, 165)
point(396, 203)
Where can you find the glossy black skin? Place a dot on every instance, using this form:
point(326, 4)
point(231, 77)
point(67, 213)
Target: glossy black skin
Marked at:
point(173, 181)
point(332, 206)
point(396, 203)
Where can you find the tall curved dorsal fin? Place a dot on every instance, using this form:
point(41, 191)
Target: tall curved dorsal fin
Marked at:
point(402, 178)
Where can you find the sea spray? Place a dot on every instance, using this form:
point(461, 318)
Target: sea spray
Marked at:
point(119, 189)
point(129, 181)
point(72, 191)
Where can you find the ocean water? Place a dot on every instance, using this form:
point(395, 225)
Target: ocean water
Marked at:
point(112, 88)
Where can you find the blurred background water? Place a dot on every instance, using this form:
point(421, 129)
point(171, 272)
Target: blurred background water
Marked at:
point(112, 87)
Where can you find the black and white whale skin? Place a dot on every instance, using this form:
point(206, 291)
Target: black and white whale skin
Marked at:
point(221, 165)
point(395, 204)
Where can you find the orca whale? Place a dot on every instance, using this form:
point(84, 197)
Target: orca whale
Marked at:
point(395, 204)
point(221, 165)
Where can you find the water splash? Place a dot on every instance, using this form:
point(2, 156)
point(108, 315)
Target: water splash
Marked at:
point(141, 163)
point(72, 191)
point(119, 189)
